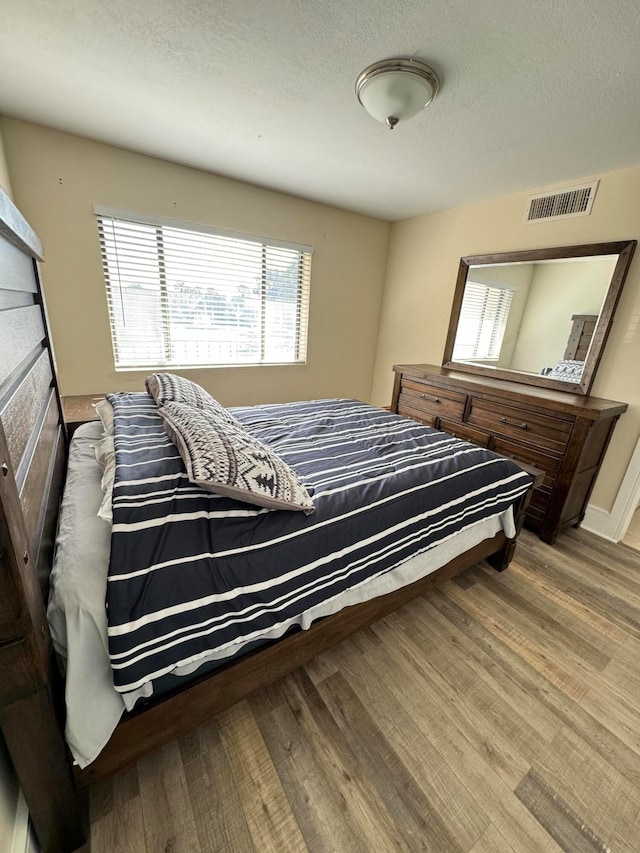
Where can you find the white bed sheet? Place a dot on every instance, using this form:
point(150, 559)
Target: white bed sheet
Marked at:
point(77, 614)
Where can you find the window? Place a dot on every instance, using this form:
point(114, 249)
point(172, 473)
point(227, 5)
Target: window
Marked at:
point(181, 295)
point(482, 323)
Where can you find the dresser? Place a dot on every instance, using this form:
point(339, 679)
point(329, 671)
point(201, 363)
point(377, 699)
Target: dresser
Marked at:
point(565, 435)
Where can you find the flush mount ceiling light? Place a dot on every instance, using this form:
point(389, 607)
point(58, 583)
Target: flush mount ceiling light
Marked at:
point(394, 90)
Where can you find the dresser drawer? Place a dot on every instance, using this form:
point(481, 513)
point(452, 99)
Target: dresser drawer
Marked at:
point(525, 425)
point(423, 397)
point(421, 417)
point(465, 432)
point(549, 464)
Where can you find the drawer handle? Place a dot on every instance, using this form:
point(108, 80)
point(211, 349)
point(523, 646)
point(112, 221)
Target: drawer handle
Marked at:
point(427, 397)
point(523, 425)
point(524, 461)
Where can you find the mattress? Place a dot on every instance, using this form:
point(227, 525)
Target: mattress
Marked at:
point(77, 614)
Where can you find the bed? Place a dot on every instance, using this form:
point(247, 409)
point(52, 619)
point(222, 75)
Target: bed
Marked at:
point(34, 457)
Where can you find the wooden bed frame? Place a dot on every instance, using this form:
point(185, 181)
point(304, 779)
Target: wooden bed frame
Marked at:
point(33, 453)
point(583, 327)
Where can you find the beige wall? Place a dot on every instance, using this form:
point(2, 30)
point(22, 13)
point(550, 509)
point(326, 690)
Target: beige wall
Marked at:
point(558, 290)
point(5, 181)
point(57, 178)
point(424, 253)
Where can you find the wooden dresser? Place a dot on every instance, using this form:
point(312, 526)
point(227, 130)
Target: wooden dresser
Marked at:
point(566, 435)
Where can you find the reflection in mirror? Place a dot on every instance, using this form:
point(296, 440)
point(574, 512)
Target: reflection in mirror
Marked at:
point(535, 317)
point(539, 317)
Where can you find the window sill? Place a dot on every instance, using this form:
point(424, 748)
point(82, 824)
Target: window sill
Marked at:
point(169, 368)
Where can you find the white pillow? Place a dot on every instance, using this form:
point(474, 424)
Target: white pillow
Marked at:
point(105, 413)
point(106, 455)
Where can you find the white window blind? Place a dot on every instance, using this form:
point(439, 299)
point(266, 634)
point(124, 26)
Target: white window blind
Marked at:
point(181, 294)
point(483, 320)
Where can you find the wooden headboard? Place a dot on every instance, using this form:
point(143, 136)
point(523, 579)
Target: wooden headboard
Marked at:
point(33, 450)
point(582, 328)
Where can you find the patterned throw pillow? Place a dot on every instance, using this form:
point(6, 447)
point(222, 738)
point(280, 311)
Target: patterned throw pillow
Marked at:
point(224, 458)
point(171, 388)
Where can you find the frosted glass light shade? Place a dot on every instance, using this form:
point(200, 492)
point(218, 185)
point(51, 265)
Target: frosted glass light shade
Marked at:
point(395, 90)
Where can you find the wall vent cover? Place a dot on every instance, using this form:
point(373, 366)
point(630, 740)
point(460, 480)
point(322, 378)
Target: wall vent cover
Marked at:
point(561, 204)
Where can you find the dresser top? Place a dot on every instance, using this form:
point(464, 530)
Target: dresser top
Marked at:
point(575, 404)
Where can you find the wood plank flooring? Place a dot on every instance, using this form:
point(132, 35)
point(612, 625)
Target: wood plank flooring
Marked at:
point(500, 712)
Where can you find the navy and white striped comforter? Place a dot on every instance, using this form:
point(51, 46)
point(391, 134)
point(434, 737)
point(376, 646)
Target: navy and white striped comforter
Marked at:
point(191, 571)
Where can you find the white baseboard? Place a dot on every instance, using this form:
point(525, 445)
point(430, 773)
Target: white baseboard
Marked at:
point(613, 525)
point(599, 521)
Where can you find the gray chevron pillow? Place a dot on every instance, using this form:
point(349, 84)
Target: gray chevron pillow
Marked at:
point(171, 388)
point(224, 458)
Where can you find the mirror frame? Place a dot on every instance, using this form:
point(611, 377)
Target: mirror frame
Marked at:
point(624, 249)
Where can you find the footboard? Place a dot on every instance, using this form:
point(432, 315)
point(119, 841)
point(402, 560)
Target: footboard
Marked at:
point(501, 559)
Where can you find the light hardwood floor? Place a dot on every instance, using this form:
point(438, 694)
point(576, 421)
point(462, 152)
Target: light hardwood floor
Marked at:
point(499, 713)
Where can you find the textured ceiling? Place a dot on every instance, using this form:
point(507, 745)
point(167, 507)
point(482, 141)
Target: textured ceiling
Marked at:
point(532, 93)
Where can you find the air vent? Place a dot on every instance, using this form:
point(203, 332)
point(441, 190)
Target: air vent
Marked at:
point(561, 204)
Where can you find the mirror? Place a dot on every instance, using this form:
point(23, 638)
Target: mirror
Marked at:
point(540, 317)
